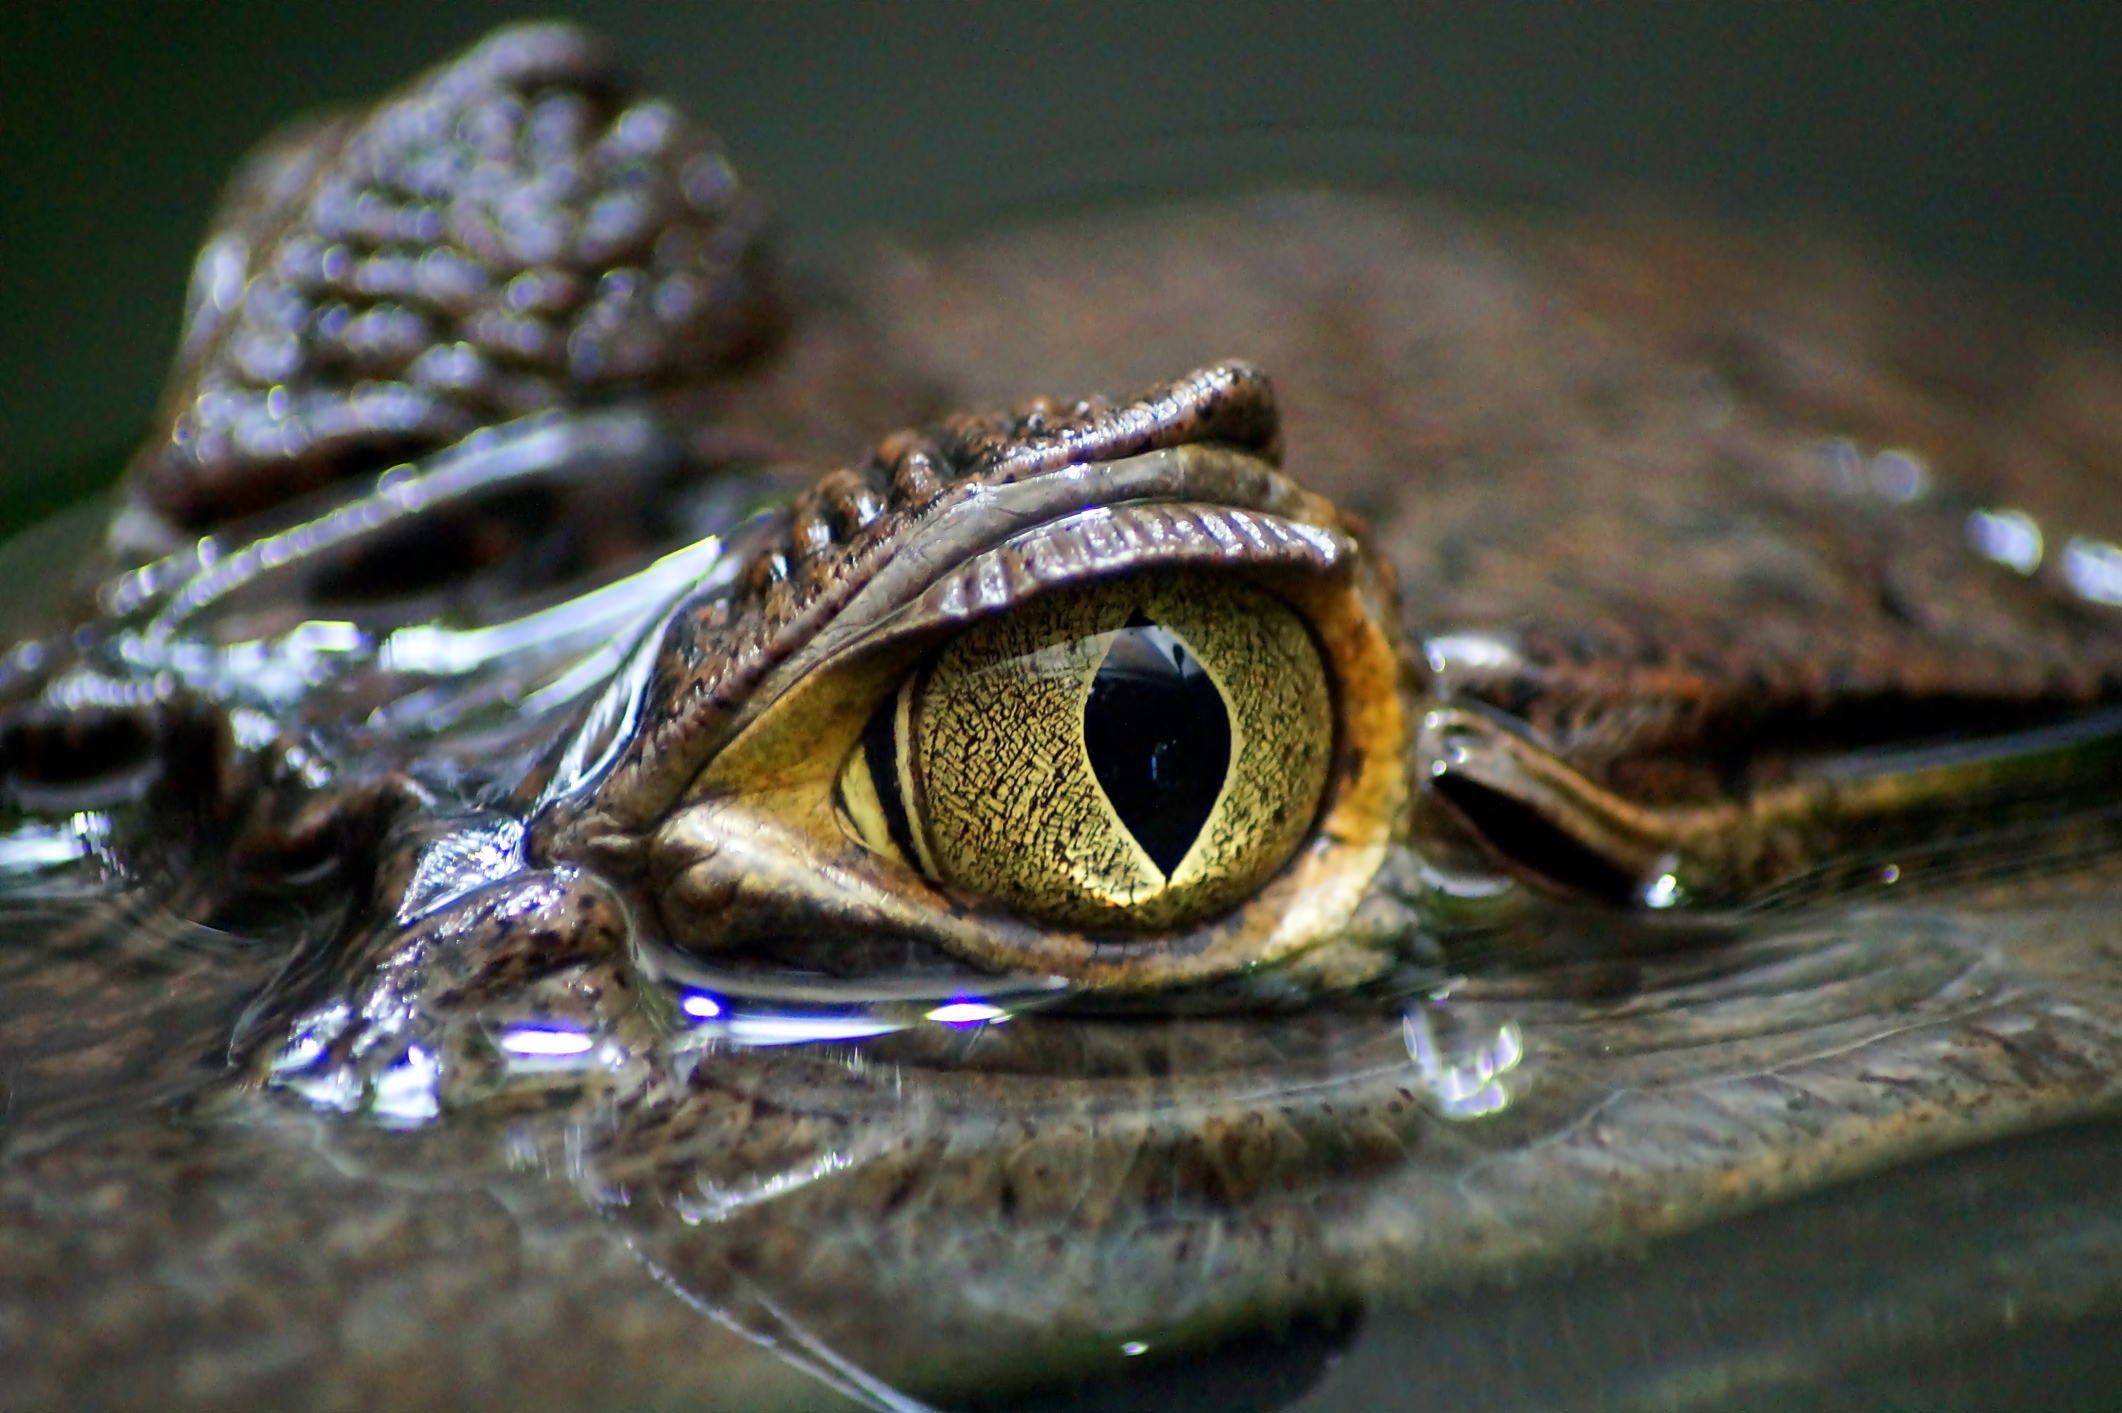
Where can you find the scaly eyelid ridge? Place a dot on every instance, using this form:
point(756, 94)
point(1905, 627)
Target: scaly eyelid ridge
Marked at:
point(800, 715)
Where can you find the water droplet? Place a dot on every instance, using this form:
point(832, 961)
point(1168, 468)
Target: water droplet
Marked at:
point(1899, 476)
point(2094, 569)
point(2011, 538)
point(1462, 1070)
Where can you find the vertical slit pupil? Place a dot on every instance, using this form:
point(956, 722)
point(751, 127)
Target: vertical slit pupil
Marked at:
point(1158, 736)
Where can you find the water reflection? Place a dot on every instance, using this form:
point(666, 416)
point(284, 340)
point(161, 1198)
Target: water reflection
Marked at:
point(2011, 538)
point(772, 1028)
point(914, 1176)
point(787, 1340)
point(1893, 474)
point(1135, 1182)
point(806, 1012)
point(36, 847)
point(168, 624)
point(1161, 1171)
point(404, 1094)
point(535, 1042)
point(474, 854)
point(2094, 569)
point(969, 1013)
point(1465, 1073)
point(884, 1170)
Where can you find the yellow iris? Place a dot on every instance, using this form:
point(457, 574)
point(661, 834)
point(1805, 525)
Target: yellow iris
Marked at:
point(1134, 755)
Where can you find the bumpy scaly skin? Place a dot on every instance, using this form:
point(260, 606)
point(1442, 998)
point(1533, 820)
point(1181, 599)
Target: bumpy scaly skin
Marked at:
point(942, 1206)
point(518, 230)
point(715, 806)
point(846, 527)
point(1634, 452)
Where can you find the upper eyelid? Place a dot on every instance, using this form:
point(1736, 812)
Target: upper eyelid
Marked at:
point(1108, 541)
point(1049, 558)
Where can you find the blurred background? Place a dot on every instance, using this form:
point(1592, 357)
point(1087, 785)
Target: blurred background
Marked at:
point(1984, 140)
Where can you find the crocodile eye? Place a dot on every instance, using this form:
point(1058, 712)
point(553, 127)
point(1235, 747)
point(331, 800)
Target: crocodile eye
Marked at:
point(1134, 755)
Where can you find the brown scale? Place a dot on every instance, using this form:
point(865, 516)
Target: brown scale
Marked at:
point(1602, 443)
point(1612, 441)
point(845, 528)
point(518, 230)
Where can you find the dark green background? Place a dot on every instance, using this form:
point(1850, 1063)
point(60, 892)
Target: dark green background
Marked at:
point(1978, 138)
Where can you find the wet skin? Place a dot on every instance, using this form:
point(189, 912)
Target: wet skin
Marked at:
point(1635, 817)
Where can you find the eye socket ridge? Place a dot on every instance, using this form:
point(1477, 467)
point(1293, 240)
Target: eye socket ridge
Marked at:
point(773, 776)
point(723, 676)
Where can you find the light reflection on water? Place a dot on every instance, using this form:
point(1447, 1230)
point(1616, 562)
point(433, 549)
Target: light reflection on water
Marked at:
point(539, 1043)
point(2094, 569)
point(1465, 1052)
point(36, 847)
point(1551, 1107)
point(2011, 538)
point(1469, 1078)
